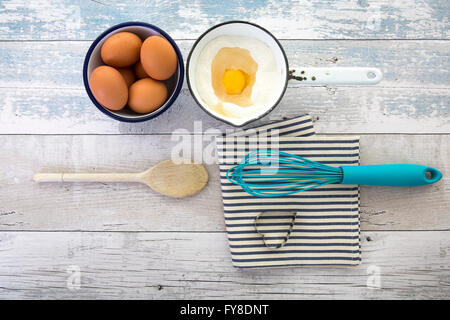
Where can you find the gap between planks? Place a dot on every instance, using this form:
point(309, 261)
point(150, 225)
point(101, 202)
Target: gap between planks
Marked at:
point(195, 39)
point(188, 231)
point(211, 134)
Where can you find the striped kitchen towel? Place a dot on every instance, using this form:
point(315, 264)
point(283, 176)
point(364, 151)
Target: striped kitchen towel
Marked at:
point(318, 227)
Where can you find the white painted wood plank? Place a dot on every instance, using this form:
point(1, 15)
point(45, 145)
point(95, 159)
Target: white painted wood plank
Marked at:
point(337, 110)
point(411, 265)
point(405, 64)
point(65, 19)
point(25, 205)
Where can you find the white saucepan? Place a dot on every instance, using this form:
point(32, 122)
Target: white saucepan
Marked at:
point(309, 76)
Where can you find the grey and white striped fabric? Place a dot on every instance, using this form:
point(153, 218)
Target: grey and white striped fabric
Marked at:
point(325, 220)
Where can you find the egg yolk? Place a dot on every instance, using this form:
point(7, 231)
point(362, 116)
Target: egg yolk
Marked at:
point(234, 81)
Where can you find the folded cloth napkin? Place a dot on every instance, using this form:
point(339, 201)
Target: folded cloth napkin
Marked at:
point(318, 227)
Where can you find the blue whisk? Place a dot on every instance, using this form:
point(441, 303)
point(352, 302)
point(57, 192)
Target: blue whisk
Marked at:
point(273, 173)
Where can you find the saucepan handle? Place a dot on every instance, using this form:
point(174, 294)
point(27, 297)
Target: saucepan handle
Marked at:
point(337, 76)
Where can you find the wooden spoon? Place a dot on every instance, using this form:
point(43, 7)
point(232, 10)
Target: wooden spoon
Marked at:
point(175, 179)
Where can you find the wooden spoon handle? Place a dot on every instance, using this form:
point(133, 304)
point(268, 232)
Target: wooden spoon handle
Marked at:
point(86, 177)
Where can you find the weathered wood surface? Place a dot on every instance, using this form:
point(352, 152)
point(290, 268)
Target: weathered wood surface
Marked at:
point(411, 265)
point(79, 20)
point(26, 205)
point(132, 243)
point(342, 110)
point(42, 91)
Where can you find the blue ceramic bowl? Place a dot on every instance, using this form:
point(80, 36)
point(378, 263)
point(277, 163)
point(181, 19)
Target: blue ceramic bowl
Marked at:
point(93, 60)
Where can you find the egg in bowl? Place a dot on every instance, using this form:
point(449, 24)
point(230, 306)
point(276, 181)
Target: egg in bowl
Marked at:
point(237, 78)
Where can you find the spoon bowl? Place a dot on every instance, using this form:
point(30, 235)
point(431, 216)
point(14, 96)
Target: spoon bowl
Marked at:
point(176, 179)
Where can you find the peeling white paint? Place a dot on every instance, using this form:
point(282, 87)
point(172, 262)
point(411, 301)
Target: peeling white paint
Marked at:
point(341, 19)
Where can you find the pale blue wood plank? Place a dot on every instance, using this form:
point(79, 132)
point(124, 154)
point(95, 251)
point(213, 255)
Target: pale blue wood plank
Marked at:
point(381, 19)
point(422, 64)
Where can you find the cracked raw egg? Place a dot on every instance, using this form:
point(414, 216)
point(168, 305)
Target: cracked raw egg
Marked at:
point(235, 78)
point(233, 72)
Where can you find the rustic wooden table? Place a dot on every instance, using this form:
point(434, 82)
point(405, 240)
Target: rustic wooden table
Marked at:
point(125, 241)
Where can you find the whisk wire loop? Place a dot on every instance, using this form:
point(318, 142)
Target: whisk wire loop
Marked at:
point(274, 173)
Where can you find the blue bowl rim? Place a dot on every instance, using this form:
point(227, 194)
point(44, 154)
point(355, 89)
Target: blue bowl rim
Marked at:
point(167, 103)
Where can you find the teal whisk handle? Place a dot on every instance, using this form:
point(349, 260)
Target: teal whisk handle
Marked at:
point(396, 175)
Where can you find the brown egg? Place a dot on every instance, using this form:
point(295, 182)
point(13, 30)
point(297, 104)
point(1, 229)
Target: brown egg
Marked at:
point(121, 49)
point(158, 58)
point(147, 95)
point(109, 87)
point(128, 75)
point(139, 70)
